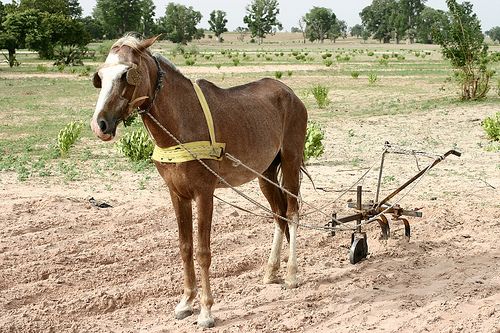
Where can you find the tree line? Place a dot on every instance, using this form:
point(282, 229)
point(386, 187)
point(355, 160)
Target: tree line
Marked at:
point(45, 25)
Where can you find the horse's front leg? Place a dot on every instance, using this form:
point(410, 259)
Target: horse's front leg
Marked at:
point(204, 203)
point(183, 212)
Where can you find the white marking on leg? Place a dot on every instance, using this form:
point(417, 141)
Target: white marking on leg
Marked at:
point(273, 264)
point(185, 307)
point(291, 278)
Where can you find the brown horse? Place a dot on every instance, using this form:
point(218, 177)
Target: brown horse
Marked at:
point(263, 124)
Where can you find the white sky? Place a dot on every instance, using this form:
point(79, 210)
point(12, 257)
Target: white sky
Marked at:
point(291, 10)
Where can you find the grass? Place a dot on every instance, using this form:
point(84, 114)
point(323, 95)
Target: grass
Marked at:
point(37, 100)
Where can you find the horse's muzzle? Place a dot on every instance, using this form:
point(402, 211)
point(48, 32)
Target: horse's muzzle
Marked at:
point(102, 130)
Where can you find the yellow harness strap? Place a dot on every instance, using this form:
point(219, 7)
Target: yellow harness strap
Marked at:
point(201, 149)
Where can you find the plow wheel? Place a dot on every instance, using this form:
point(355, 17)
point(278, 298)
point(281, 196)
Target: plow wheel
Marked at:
point(385, 231)
point(359, 247)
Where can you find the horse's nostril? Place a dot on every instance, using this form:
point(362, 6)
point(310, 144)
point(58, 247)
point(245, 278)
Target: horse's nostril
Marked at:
point(103, 125)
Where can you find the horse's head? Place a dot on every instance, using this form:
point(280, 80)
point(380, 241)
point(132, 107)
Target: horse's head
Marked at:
point(125, 83)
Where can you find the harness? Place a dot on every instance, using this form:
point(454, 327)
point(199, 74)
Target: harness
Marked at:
point(212, 149)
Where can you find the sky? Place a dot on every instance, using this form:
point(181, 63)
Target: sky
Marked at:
point(291, 10)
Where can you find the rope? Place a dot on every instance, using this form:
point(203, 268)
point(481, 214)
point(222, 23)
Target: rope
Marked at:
point(266, 209)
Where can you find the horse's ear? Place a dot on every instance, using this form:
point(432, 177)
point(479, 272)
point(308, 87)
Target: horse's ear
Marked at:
point(148, 42)
point(96, 80)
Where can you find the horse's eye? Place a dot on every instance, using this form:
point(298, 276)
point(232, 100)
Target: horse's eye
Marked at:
point(124, 76)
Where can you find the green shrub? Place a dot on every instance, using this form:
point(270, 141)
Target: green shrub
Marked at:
point(278, 74)
point(372, 78)
point(355, 74)
point(370, 53)
point(236, 61)
point(328, 62)
point(320, 93)
point(314, 147)
point(68, 136)
point(491, 126)
point(136, 145)
point(290, 73)
point(383, 61)
point(68, 55)
point(41, 68)
point(190, 62)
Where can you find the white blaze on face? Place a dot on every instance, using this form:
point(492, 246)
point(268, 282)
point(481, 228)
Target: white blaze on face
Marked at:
point(109, 74)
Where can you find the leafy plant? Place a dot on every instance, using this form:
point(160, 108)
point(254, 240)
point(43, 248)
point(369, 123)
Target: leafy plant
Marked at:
point(313, 147)
point(320, 93)
point(491, 126)
point(136, 145)
point(328, 62)
point(355, 74)
point(462, 42)
point(68, 136)
point(68, 55)
point(278, 74)
point(372, 78)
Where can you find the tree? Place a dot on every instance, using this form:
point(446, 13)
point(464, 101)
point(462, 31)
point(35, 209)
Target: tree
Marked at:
point(462, 42)
point(179, 23)
point(494, 34)
point(242, 32)
point(261, 18)
point(319, 21)
point(217, 23)
point(338, 29)
point(380, 19)
point(118, 16)
point(409, 14)
point(430, 20)
point(357, 30)
point(148, 25)
point(74, 9)
point(47, 6)
point(93, 27)
point(302, 26)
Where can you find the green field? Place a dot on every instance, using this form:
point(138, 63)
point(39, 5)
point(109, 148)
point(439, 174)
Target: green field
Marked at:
point(38, 99)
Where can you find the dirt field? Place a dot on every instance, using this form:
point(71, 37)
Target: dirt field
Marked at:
point(67, 266)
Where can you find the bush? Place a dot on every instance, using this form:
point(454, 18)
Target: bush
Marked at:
point(290, 73)
point(278, 74)
point(383, 61)
point(462, 42)
point(491, 126)
point(370, 53)
point(313, 147)
point(236, 61)
point(320, 93)
point(355, 74)
point(190, 62)
point(68, 136)
point(328, 62)
point(68, 55)
point(136, 145)
point(372, 78)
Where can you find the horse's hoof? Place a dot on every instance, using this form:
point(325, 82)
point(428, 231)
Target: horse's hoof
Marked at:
point(206, 321)
point(179, 315)
point(272, 279)
point(291, 284)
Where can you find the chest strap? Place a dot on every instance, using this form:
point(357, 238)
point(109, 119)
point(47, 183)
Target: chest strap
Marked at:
point(201, 149)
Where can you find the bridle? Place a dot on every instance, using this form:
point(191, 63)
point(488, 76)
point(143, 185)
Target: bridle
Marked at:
point(133, 77)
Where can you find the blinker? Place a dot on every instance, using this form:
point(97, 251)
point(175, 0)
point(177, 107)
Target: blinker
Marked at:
point(96, 80)
point(133, 76)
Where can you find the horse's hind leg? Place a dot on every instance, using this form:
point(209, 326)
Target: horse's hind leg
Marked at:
point(183, 212)
point(277, 201)
point(290, 167)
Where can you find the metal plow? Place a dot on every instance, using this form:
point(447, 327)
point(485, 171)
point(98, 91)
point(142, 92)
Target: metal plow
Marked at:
point(377, 210)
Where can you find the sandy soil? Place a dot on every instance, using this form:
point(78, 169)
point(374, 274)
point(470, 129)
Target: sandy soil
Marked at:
point(67, 266)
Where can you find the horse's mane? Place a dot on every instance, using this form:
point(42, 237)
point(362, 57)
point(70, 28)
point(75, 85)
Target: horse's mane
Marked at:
point(133, 42)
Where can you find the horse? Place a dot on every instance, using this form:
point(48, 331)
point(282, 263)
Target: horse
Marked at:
point(263, 123)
